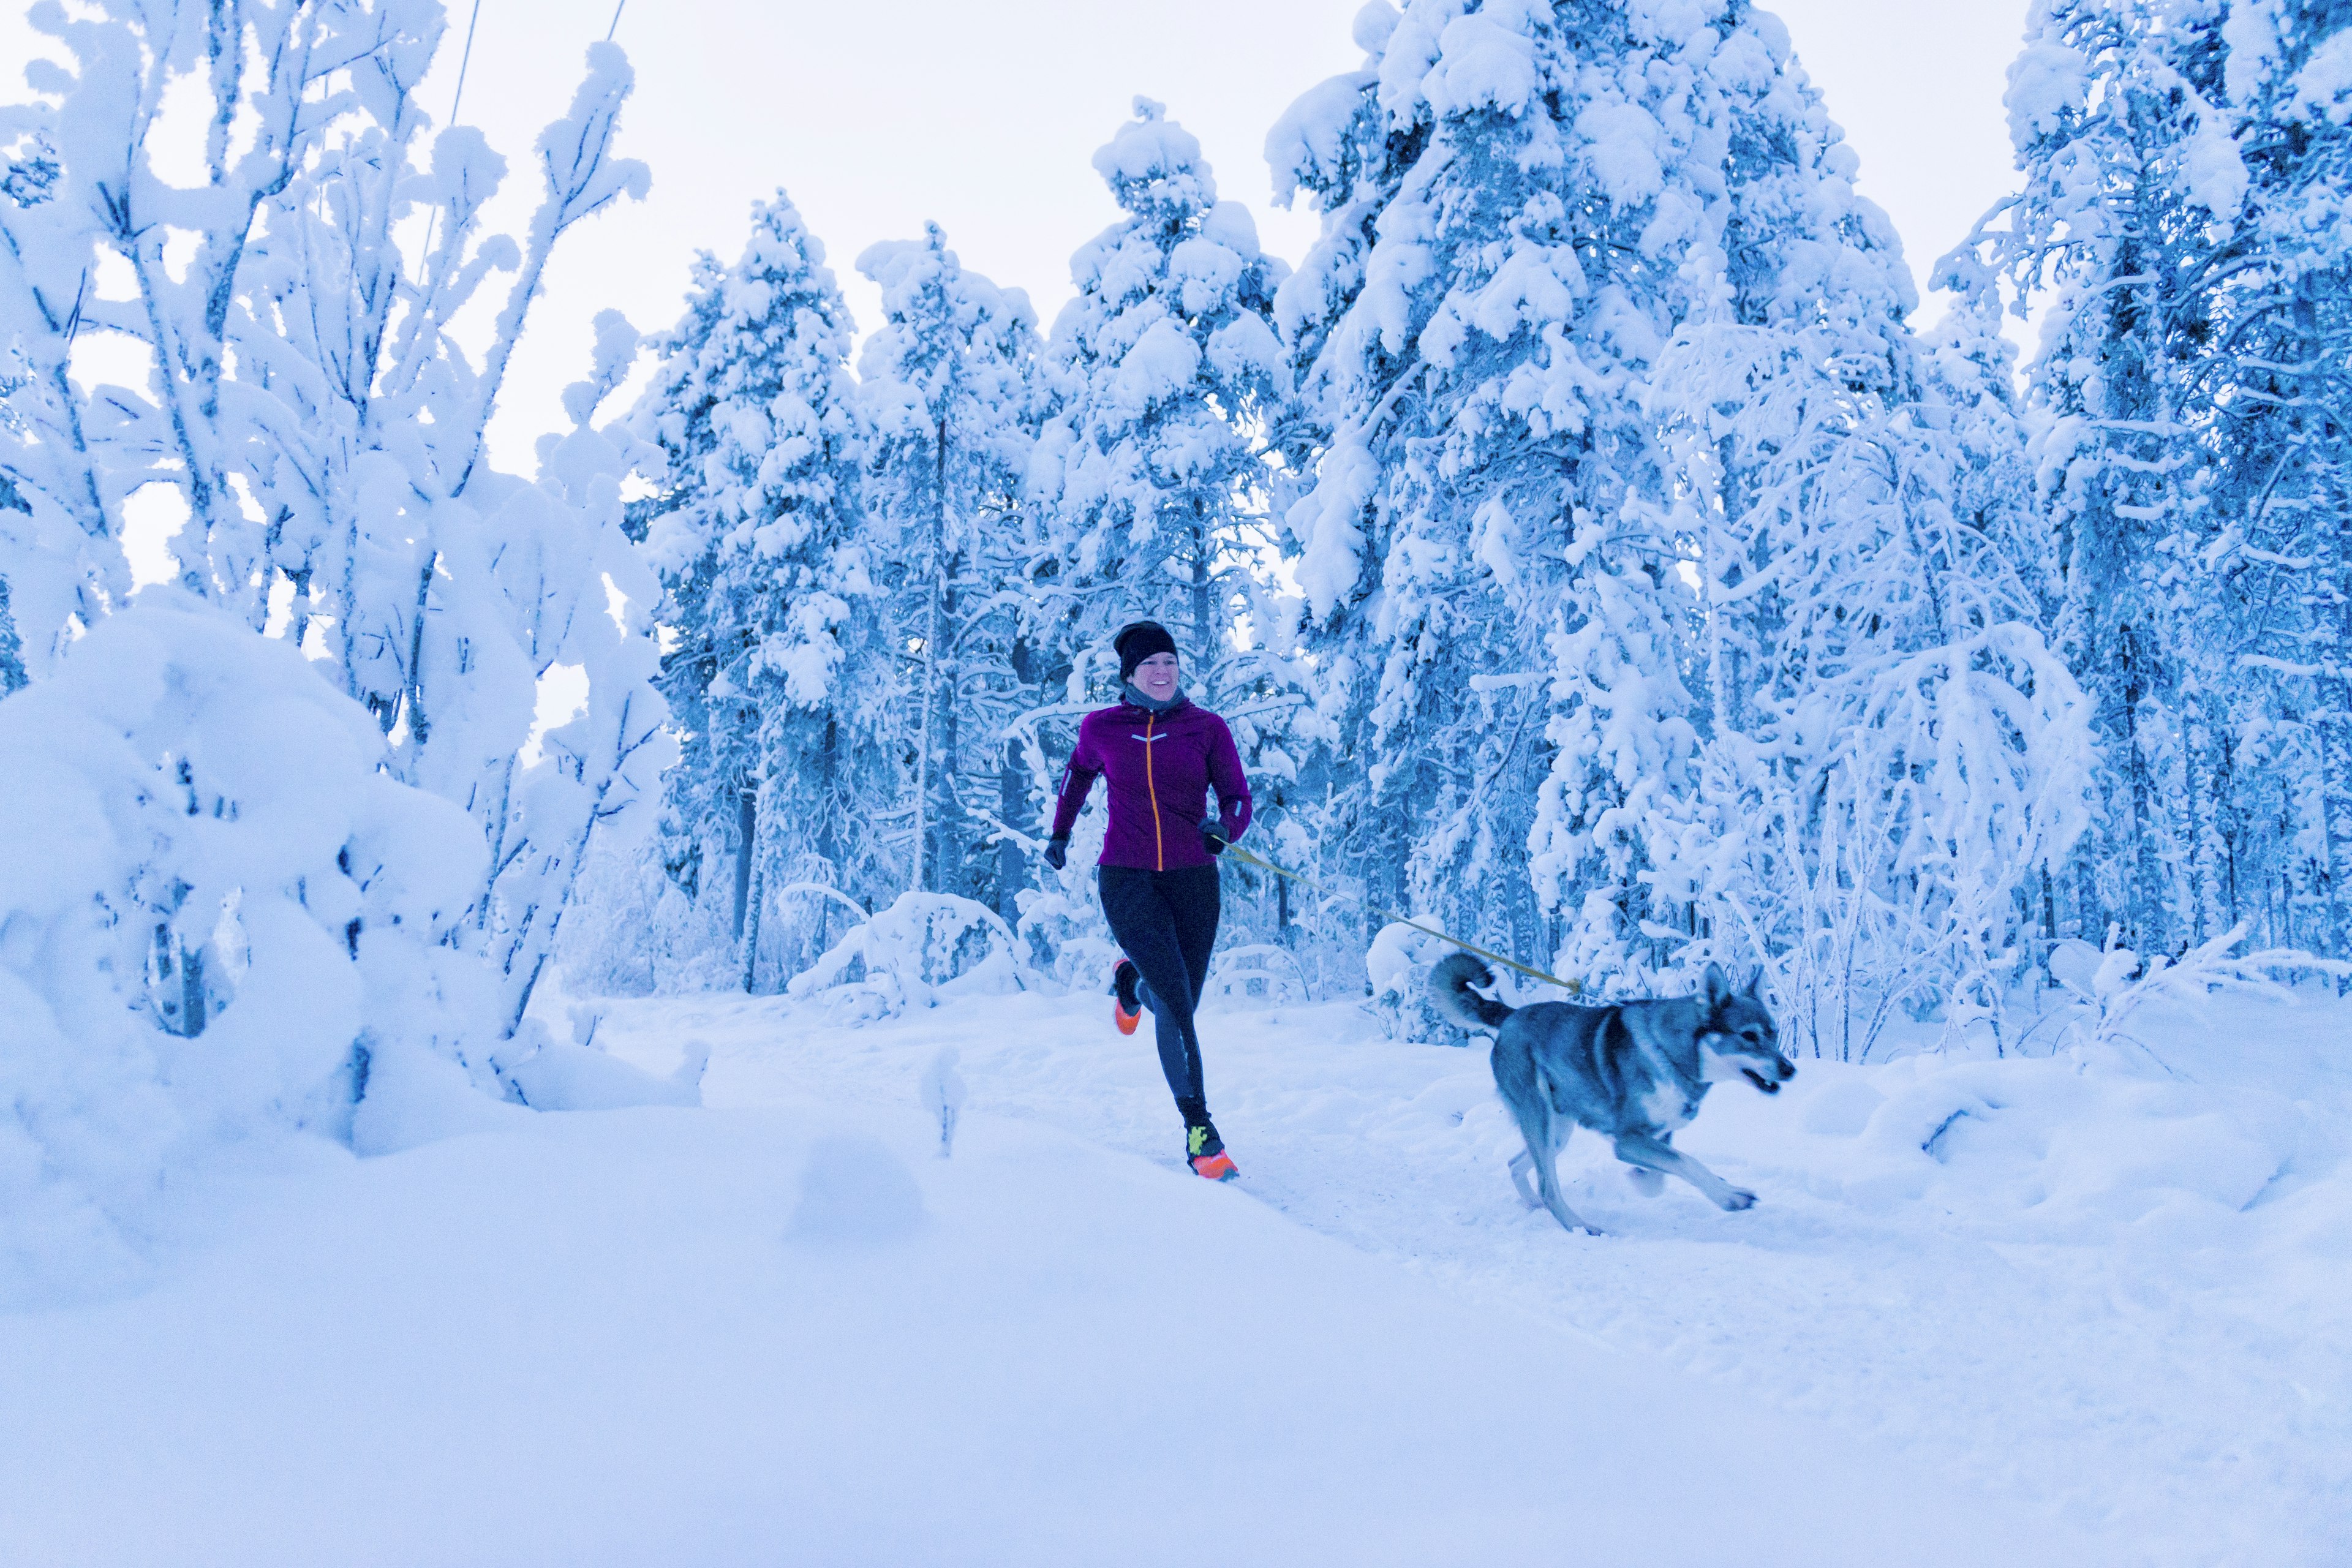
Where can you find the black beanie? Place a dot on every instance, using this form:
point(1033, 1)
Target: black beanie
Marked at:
point(1138, 642)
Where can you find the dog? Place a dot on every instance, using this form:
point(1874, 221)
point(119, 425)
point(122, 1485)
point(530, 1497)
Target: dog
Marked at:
point(1633, 1073)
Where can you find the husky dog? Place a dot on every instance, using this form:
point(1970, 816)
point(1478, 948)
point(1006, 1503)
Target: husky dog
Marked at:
point(1633, 1073)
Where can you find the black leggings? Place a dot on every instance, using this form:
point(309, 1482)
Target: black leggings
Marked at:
point(1166, 921)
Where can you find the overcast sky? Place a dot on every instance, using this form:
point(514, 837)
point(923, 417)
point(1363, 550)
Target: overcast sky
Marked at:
point(878, 116)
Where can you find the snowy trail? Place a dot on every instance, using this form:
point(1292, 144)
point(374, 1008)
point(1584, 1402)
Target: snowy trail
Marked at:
point(2117, 1298)
point(653, 1337)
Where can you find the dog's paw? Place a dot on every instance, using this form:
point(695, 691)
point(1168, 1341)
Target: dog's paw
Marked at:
point(1737, 1199)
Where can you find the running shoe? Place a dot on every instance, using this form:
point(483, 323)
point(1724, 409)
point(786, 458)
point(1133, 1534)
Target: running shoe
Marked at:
point(1125, 1009)
point(1206, 1152)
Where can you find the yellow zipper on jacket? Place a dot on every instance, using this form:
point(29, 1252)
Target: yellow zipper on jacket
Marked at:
point(1159, 849)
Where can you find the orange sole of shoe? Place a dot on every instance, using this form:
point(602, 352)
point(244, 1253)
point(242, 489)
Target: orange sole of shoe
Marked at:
point(1126, 1020)
point(1215, 1167)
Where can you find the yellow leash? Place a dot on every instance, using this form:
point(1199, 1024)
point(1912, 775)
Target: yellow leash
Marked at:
point(1574, 988)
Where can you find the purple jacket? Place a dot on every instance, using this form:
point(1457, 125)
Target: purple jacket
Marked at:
point(1160, 766)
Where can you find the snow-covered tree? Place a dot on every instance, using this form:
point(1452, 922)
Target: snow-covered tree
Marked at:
point(61, 509)
point(223, 916)
point(949, 380)
point(2129, 168)
point(1489, 552)
point(779, 675)
point(308, 395)
point(1637, 502)
point(1158, 472)
point(2184, 167)
point(2281, 562)
point(1164, 370)
point(1893, 753)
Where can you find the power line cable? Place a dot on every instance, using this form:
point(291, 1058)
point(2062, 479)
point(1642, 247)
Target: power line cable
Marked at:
point(467, 58)
point(457, 97)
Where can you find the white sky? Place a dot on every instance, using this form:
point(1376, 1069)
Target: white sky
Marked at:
point(878, 116)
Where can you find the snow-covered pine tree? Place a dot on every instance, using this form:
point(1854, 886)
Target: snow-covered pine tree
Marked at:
point(950, 383)
point(779, 674)
point(1155, 473)
point(1891, 745)
point(1163, 369)
point(705, 835)
point(1895, 759)
point(2130, 218)
point(2280, 562)
point(1621, 330)
point(1488, 553)
point(2185, 164)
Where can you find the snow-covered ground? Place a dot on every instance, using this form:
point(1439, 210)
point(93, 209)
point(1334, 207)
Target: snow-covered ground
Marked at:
point(2119, 1296)
point(2101, 1318)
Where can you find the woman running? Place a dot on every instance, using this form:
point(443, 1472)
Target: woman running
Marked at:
point(1158, 871)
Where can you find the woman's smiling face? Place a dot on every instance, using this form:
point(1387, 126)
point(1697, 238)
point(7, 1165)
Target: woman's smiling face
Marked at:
point(1156, 677)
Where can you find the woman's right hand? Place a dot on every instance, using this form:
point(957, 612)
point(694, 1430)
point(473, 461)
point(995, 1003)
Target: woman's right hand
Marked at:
point(1057, 853)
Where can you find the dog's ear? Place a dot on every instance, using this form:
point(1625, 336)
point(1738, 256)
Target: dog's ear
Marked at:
point(1715, 988)
point(1756, 984)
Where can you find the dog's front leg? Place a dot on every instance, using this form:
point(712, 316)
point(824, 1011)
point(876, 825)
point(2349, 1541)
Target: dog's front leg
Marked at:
point(1652, 1154)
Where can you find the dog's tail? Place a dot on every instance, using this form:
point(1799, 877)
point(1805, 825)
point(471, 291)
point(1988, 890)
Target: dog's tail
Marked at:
point(1450, 993)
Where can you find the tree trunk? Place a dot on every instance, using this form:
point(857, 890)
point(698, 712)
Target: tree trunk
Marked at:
point(747, 822)
point(748, 890)
point(1012, 804)
point(2335, 812)
point(934, 762)
point(1204, 637)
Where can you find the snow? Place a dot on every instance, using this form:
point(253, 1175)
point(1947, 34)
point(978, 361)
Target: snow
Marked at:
point(778, 1332)
point(925, 947)
point(1622, 149)
point(1483, 62)
point(558, 1075)
point(1311, 136)
point(2045, 81)
point(1373, 25)
point(2106, 1299)
point(182, 785)
point(2215, 172)
point(2323, 83)
point(1329, 519)
point(2042, 1309)
point(1160, 366)
point(1590, 559)
point(1408, 51)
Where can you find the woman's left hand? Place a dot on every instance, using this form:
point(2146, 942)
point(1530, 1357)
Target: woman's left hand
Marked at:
point(1212, 837)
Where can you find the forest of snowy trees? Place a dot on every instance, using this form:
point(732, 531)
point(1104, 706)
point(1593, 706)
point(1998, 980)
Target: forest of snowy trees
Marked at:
point(1593, 548)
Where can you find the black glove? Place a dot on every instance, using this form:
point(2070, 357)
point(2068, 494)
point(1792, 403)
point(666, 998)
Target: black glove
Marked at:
point(1057, 852)
point(1212, 837)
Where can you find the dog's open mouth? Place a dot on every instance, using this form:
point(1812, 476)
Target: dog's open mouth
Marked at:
point(1768, 1085)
